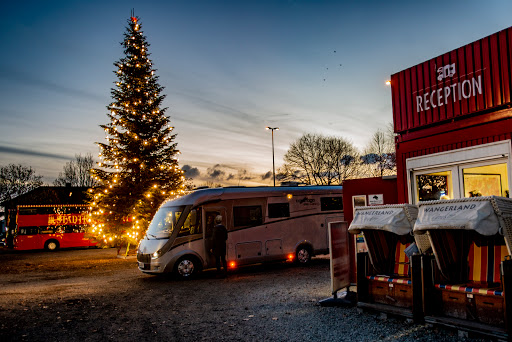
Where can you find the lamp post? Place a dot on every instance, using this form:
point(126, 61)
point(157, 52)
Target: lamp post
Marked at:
point(273, 162)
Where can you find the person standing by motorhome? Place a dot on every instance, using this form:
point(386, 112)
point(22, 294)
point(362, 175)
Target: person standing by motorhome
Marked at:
point(219, 237)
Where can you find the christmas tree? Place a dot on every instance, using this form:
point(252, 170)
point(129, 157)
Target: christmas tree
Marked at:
point(138, 165)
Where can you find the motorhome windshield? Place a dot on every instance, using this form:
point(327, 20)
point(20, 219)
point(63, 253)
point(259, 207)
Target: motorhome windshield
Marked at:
point(164, 222)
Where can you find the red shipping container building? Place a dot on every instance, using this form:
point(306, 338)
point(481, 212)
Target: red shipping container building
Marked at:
point(453, 122)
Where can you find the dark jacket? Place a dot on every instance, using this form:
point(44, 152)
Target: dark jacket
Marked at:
point(219, 237)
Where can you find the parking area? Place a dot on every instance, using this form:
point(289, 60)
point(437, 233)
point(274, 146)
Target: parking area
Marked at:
point(91, 295)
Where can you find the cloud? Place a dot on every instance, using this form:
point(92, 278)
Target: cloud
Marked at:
point(229, 175)
point(13, 75)
point(266, 175)
point(26, 152)
point(243, 174)
point(216, 172)
point(215, 106)
point(190, 171)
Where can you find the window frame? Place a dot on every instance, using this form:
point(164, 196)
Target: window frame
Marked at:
point(198, 224)
point(250, 224)
point(457, 160)
point(283, 205)
point(323, 204)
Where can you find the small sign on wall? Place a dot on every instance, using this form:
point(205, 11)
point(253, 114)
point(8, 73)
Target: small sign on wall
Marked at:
point(376, 199)
point(359, 201)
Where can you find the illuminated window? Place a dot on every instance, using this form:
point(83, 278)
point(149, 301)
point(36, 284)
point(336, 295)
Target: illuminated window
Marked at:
point(486, 180)
point(465, 172)
point(192, 224)
point(434, 186)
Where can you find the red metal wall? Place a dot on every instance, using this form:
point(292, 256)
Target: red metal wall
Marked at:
point(475, 78)
point(365, 186)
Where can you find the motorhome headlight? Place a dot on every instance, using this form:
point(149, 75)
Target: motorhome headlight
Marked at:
point(157, 254)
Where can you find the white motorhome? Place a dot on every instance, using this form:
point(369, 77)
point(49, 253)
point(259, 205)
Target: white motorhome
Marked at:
point(263, 223)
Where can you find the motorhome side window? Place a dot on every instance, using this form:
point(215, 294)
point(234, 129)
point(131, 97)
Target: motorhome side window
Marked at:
point(247, 216)
point(276, 210)
point(192, 224)
point(331, 203)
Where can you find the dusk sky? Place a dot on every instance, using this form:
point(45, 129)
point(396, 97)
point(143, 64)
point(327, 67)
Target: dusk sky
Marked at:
point(229, 69)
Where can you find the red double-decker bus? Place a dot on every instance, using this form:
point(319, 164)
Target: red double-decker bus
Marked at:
point(52, 227)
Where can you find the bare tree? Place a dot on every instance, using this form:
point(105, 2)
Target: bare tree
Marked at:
point(77, 172)
point(211, 184)
point(317, 159)
point(379, 158)
point(16, 179)
point(340, 159)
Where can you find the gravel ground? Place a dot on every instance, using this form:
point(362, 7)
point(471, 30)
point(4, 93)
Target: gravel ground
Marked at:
point(90, 295)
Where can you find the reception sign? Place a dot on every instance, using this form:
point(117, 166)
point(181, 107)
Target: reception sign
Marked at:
point(467, 80)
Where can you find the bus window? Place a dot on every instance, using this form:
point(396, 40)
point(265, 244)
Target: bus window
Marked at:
point(28, 231)
point(192, 224)
point(247, 216)
point(276, 210)
point(331, 203)
point(71, 229)
point(28, 211)
point(46, 230)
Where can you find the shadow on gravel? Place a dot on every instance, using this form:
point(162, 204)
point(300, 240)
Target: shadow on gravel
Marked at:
point(5, 250)
point(255, 269)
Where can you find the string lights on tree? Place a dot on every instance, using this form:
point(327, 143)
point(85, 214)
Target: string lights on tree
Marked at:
point(138, 165)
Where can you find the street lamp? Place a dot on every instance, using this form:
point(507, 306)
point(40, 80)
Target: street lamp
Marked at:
point(273, 162)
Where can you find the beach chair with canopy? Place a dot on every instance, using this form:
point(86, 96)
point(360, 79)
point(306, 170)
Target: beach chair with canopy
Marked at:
point(386, 273)
point(466, 285)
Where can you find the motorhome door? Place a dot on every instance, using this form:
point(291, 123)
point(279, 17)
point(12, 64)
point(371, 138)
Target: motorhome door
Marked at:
point(209, 221)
